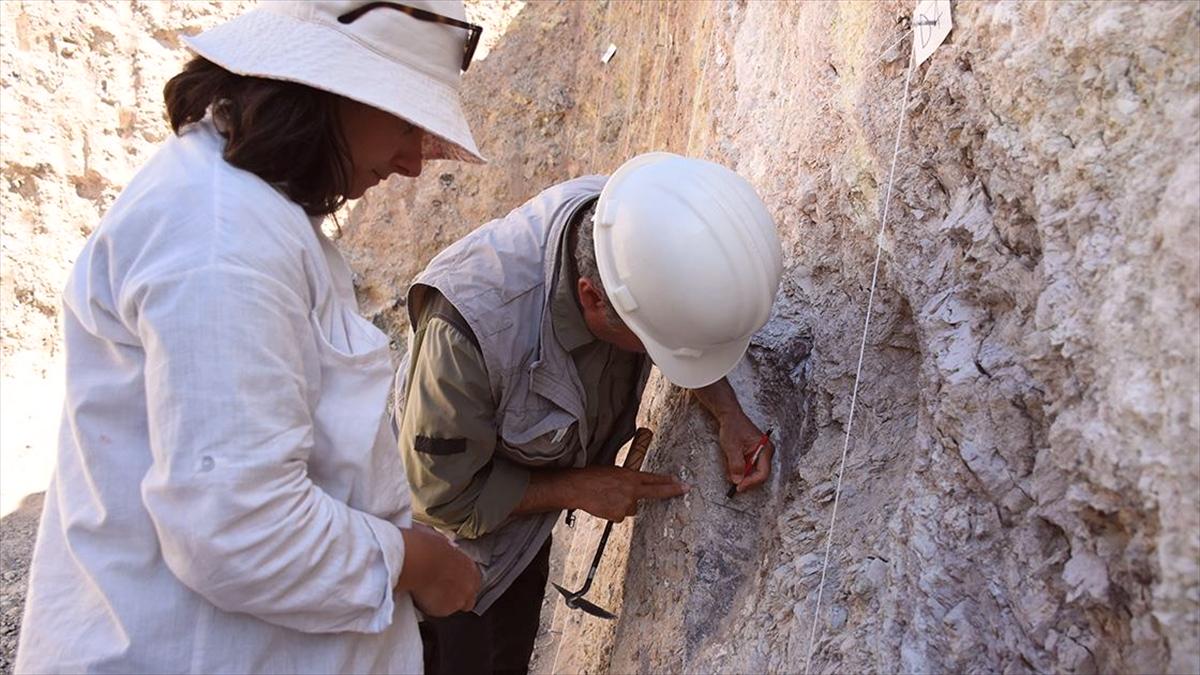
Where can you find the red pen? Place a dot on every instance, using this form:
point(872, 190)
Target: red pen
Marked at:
point(751, 459)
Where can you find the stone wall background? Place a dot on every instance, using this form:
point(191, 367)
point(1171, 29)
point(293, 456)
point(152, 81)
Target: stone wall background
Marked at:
point(80, 110)
point(1020, 493)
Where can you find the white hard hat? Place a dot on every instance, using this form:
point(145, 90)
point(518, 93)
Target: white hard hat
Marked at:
point(690, 260)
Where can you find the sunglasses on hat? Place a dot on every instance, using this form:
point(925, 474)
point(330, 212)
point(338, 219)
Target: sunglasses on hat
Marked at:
point(473, 30)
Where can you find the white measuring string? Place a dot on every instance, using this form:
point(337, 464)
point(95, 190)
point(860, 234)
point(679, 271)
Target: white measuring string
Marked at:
point(862, 348)
point(889, 48)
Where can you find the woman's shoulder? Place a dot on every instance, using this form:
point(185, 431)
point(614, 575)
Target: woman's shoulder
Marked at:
point(187, 207)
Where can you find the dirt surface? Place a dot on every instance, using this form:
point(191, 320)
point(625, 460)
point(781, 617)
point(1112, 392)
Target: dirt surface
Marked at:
point(17, 532)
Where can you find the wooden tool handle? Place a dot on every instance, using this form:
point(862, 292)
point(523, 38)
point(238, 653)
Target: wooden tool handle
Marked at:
point(637, 450)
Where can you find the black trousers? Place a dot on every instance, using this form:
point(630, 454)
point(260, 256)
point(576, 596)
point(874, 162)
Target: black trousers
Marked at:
point(498, 641)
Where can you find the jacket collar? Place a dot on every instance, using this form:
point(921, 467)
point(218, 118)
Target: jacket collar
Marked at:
point(552, 374)
point(565, 315)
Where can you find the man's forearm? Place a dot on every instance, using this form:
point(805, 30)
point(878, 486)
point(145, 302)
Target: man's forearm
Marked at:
point(609, 492)
point(718, 399)
point(548, 490)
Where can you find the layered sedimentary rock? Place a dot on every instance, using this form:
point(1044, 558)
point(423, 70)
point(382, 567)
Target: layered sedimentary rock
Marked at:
point(1020, 488)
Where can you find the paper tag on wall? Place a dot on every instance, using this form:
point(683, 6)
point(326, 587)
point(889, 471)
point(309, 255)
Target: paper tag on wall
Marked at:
point(930, 25)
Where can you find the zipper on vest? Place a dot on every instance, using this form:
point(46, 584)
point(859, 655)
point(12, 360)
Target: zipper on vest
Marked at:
point(570, 519)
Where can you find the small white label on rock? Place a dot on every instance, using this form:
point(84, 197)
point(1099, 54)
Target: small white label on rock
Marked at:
point(612, 49)
point(931, 25)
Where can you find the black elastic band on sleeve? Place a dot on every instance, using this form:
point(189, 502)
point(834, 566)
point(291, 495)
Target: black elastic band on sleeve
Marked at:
point(440, 446)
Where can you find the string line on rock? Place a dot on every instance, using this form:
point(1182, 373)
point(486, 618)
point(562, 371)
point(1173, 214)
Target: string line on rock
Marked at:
point(697, 97)
point(659, 92)
point(889, 48)
point(862, 348)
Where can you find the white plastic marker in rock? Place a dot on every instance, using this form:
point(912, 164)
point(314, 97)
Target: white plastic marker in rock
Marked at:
point(934, 17)
point(931, 24)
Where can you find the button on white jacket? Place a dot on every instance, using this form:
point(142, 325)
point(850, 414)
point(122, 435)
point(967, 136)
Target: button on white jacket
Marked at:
point(228, 492)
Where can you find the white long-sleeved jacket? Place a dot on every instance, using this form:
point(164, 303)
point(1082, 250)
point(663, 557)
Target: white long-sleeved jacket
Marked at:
point(228, 493)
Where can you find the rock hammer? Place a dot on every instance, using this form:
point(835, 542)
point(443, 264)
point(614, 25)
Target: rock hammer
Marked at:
point(633, 460)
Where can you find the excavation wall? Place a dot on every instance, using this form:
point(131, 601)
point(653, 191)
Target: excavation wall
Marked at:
point(1020, 489)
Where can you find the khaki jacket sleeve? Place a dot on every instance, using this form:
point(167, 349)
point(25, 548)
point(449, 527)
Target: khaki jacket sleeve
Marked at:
point(448, 436)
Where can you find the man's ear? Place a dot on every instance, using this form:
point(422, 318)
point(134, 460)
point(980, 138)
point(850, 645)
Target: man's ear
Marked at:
point(590, 297)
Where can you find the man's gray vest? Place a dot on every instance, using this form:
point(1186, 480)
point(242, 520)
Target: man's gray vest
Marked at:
point(500, 278)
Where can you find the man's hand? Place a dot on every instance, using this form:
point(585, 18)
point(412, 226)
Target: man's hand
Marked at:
point(739, 437)
point(441, 578)
point(612, 492)
point(608, 492)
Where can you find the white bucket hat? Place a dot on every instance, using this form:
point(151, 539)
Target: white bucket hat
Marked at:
point(384, 58)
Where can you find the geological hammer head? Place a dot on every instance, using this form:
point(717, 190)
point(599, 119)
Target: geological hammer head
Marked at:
point(575, 602)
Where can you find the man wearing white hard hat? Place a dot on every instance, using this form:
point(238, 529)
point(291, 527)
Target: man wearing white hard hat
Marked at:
point(532, 341)
point(227, 496)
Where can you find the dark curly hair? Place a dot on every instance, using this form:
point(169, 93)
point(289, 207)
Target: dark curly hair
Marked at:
point(288, 134)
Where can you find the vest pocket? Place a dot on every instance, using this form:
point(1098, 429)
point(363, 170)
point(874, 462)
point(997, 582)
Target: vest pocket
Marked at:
point(540, 437)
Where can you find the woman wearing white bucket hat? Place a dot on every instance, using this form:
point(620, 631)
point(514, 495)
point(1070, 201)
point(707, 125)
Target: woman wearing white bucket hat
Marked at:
point(228, 496)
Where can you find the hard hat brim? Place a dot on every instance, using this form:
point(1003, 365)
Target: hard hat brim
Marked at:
point(694, 372)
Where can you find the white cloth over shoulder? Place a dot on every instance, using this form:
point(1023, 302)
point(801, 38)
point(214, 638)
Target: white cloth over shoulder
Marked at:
point(228, 493)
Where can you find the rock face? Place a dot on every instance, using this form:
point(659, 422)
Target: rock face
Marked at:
point(80, 110)
point(1020, 489)
point(83, 108)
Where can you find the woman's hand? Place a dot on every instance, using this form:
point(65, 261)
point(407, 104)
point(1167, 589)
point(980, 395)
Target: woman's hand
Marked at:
point(441, 578)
